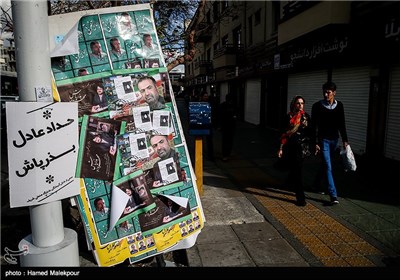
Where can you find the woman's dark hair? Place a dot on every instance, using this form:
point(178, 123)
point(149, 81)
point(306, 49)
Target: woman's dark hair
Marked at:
point(294, 100)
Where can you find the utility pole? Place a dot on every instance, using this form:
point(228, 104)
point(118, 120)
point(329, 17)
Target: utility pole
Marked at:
point(50, 244)
point(198, 166)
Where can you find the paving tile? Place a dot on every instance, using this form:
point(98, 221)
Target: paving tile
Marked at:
point(349, 237)
point(301, 263)
point(310, 240)
point(283, 216)
point(318, 229)
point(322, 252)
point(347, 207)
point(290, 222)
point(298, 230)
point(369, 222)
point(224, 254)
point(374, 207)
point(230, 210)
point(256, 231)
point(193, 257)
point(210, 191)
point(275, 209)
point(359, 261)
point(344, 250)
point(273, 252)
point(335, 262)
point(365, 248)
point(337, 227)
point(330, 238)
point(216, 234)
point(390, 238)
point(309, 221)
point(293, 209)
point(392, 217)
point(326, 220)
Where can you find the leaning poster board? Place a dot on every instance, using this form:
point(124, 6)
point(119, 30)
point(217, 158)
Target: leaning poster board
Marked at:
point(138, 193)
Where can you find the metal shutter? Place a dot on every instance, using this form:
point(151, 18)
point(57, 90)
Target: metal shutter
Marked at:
point(252, 101)
point(353, 90)
point(224, 91)
point(308, 85)
point(392, 141)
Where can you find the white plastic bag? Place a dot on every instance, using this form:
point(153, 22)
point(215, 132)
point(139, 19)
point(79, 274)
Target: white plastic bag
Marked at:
point(349, 161)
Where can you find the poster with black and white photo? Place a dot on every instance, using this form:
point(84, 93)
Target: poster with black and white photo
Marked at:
point(142, 118)
point(162, 122)
point(139, 146)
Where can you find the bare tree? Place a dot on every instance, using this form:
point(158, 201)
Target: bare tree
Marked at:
point(170, 17)
point(68, 6)
point(190, 40)
point(6, 20)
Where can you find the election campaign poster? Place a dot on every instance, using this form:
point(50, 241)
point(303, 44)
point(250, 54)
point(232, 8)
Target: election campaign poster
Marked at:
point(137, 194)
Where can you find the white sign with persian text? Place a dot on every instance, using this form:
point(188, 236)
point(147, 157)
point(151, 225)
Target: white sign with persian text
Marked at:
point(42, 151)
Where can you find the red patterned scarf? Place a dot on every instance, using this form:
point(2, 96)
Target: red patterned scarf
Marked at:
point(294, 124)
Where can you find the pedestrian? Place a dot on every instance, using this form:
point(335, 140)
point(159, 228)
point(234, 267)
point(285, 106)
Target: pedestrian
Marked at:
point(228, 125)
point(297, 140)
point(328, 121)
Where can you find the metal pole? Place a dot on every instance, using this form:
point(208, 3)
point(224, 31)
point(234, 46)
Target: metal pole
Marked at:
point(198, 166)
point(50, 244)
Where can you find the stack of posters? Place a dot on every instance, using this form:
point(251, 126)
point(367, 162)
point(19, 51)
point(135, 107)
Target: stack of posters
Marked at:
point(138, 195)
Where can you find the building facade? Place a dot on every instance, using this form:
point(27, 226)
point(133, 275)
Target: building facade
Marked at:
point(8, 68)
point(265, 52)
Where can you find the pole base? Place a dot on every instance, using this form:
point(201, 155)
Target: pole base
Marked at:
point(65, 253)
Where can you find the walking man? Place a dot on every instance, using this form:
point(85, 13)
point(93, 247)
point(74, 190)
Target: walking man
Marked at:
point(327, 116)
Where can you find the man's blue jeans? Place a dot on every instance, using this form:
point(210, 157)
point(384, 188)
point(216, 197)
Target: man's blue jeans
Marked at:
point(328, 147)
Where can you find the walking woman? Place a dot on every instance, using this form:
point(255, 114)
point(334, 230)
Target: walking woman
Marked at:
point(295, 141)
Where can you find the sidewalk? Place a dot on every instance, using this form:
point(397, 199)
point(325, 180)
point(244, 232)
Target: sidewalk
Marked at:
point(252, 220)
point(236, 234)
